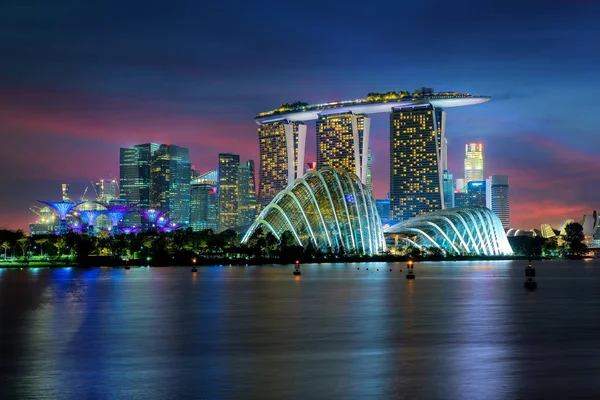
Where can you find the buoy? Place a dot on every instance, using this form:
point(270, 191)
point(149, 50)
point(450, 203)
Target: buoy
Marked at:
point(529, 275)
point(409, 270)
point(297, 268)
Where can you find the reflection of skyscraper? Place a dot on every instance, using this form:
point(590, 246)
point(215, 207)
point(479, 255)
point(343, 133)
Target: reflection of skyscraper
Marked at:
point(473, 162)
point(278, 144)
point(228, 190)
point(171, 175)
point(498, 199)
point(203, 203)
point(247, 205)
point(416, 161)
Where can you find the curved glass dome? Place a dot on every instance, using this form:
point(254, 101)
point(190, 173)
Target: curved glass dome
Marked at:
point(464, 231)
point(330, 208)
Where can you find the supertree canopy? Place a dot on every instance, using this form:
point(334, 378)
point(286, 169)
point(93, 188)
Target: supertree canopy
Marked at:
point(62, 208)
point(89, 216)
point(170, 227)
point(162, 221)
point(116, 212)
point(152, 215)
point(127, 230)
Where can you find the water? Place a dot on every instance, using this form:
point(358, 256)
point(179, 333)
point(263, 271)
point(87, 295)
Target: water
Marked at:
point(461, 330)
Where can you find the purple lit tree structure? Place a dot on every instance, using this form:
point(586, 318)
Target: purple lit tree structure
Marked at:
point(171, 226)
point(77, 227)
point(162, 222)
point(62, 208)
point(152, 216)
point(116, 212)
point(128, 230)
point(89, 218)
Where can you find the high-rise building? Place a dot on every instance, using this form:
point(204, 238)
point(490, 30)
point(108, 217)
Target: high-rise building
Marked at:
point(477, 196)
point(498, 199)
point(171, 175)
point(461, 198)
point(65, 192)
point(383, 209)
point(448, 189)
point(203, 203)
point(229, 170)
point(340, 143)
point(278, 144)
point(135, 178)
point(473, 162)
point(416, 161)
point(247, 205)
point(460, 184)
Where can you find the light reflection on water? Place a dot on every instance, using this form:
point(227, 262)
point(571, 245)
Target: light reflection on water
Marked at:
point(460, 330)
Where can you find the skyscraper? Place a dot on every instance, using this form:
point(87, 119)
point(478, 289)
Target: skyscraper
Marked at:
point(340, 142)
point(278, 144)
point(477, 195)
point(228, 190)
point(498, 199)
point(416, 161)
point(171, 175)
point(473, 162)
point(135, 178)
point(203, 203)
point(247, 205)
point(448, 189)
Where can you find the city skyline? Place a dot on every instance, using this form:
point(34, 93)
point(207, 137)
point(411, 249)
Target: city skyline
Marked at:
point(64, 115)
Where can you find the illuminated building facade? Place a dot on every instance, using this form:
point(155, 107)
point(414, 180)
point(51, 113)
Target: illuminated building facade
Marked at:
point(247, 205)
point(416, 161)
point(448, 184)
point(457, 231)
point(461, 198)
point(342, 143)
point(279, 156)
point(328, 209)
point(473, 162)
point(498, 199)
point(107, 190)
point(203, 214)
point(170, 176)
point(135, 178)
point(476, 194)
point(229, 167)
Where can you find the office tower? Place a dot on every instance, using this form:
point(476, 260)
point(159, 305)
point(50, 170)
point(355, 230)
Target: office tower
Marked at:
point(461, 198)
point(247, 205)
point(340, 143)
point(171, 175)
point(448, 189)
point(416, 161)
point(203, 203)
point(107, 190)
point(228, 190)
point(460, 184)
point(477, 197)
point(279, 142)
point(383, 209)
point(135, 178)
point(498, 198)
point(473, 162)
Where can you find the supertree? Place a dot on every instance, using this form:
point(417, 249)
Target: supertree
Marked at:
point(171, 226)
point(116, 212)
point(89, 218)
point(76, 227)
point(162, 222)
point(62, 208)
point(151, 216)
point(127, 230)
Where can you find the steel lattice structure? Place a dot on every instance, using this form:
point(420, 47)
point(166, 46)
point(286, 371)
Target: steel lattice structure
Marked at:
point(462, 231)
point(330, 208)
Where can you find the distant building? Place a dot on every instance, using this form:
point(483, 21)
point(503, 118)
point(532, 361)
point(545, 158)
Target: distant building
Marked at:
point(416, 182)
point(476, 194)
point(460, 184)
point(228, 191)
point(474, 162)
point(383, 208)
point(247, 204)
point(448, 185)
point(171, 176)
point(461, 198)
point(497, 198)
point(107, 190)
point(203, 205)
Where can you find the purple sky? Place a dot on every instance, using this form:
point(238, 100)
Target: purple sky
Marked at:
point(78, 80)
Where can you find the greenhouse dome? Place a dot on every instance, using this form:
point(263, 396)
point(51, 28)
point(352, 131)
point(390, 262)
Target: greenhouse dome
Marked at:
point(329, 208)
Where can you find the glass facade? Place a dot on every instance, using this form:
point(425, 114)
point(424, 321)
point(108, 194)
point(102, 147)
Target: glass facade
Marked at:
point(473, 162)
point(228, 190)
point(459, 231)
point(416, 159)
point(273, 170)
point(329, 208)
point(203, 209)
point(499, 198)
point(170, 176)
point(247, 205)
point(476, 194)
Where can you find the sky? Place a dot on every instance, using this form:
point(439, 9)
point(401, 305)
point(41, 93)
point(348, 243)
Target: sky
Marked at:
point(79, 80)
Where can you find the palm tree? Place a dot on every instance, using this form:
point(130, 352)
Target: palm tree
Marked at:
point(60, 245)
point(24, 243)
point(41, 243)
point(5, 246)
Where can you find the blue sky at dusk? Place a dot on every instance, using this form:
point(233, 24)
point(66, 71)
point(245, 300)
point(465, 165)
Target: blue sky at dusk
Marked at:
point(78, 80)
